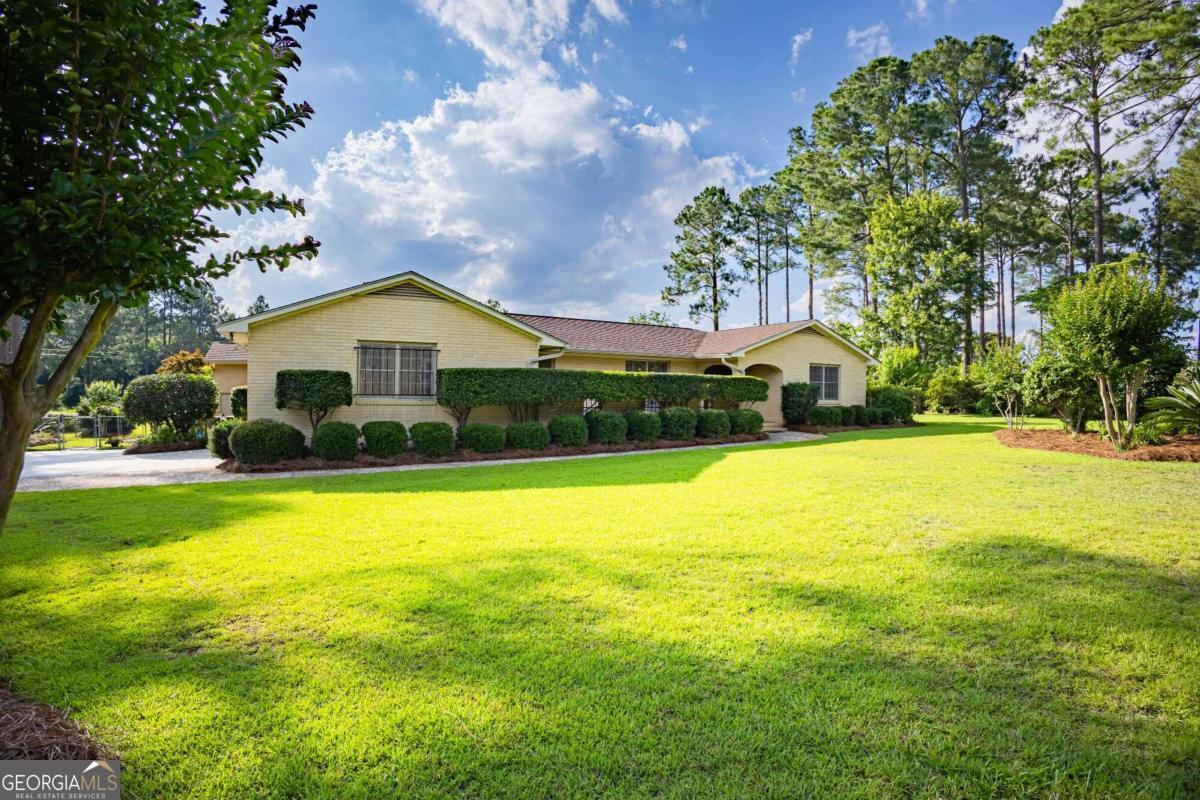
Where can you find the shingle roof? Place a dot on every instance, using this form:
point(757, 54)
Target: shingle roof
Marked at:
point(223, 350)
point(600, 336)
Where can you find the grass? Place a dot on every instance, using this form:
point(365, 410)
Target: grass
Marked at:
point(914, 613)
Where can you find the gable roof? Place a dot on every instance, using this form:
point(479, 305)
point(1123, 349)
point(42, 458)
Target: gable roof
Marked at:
point(242, 324)
point(223, 351)
point(602, 336)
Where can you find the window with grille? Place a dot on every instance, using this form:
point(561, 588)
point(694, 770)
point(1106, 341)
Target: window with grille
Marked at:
point(396, 370)
point(646, 366)
point(651, 405)
point(825, 377)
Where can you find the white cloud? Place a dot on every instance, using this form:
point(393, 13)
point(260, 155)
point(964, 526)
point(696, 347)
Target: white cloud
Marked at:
point(344, 72)
point(569, 54)
point(524, 186)
point(918, 8)
point(410, 76)
point(869, 42)
point(798, 42)
point(609, 9)
point(800, 95)
point(679, 43)
point(689, 69)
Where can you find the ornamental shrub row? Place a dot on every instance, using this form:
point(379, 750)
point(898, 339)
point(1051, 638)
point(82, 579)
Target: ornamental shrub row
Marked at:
point(798, 400)
point(522, 390)
point(851, 415)
point(893, 398)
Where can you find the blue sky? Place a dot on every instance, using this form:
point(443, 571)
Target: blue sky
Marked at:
point(537, 152)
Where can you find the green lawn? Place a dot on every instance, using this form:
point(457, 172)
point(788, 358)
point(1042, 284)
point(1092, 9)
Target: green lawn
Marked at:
point(916, 613)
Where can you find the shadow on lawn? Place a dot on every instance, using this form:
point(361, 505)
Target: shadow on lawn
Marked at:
point(534, 674)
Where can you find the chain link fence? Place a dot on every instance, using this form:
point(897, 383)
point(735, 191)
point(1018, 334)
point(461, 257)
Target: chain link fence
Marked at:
point(60, 431)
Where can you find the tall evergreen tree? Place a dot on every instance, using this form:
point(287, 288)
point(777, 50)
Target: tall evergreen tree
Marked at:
point(699, 270)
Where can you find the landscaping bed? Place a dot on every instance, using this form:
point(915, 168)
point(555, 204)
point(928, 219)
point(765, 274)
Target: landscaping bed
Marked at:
point(409, 458)
point(802, 428)
point(163, 447)
point(1178, 448)
point(34, 731)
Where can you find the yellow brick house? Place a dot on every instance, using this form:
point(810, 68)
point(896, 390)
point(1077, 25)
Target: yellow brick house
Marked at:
point(393, 334)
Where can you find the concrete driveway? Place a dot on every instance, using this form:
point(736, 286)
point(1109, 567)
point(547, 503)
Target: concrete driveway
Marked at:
point(97, 469)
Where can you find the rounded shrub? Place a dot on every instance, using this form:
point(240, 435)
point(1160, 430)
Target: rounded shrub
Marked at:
point(606, 427)
point(860, 415)
point(886, 416)
point(180, 401)
point(898, 400)
point(384, 438)
point(481, 437)
point(237, 401)
point(798, 399)
point(643, 426)
point(265, 441)
point(335, 441)
point(528, 435)
point(218, 438)
point(825, 415)
point(874, 415)
point(744, 420)
point(568, 430)
point(678, 423)
point(712, 424)
point(432, 439)
point(848, 415)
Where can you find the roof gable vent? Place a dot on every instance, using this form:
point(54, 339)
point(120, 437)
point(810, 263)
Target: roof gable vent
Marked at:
point(409, 291)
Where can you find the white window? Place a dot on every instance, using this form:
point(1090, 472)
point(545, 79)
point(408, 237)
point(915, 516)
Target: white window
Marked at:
point(646, 366)
point(591, 405)
point(650, 405)
point(825, 377)
point(397, 370)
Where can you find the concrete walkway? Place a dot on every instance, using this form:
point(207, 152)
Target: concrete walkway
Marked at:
point(105, 469)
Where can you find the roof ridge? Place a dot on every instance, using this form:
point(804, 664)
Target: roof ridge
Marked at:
point(607, 321)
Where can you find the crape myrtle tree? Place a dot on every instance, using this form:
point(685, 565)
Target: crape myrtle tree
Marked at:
point(125, 127)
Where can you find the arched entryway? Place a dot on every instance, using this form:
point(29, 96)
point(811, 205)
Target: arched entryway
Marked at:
point(718, 369)
point(772, 409)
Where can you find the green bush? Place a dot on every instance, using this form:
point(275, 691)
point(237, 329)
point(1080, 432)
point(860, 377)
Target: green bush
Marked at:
point(744, 420)
point(182, 402)
point(874, 415)
point(860, 415)
point(825, 415)
point(798, 400)
point(317, 391)
point(894, 398)
point(949, 392)
point(432, 439)
point(712, 424)
point(335, 441)
point(237, 401)
point(528, 435)
point(522, 390)
point(643, 426)
point(606, 427)
point(384, 438)
point(848, 416)
point(678, 423)
point(568, 430)
point(886, 416)
point(218, 438)
point(265, 441)
point(100, 397)
point(481, 438)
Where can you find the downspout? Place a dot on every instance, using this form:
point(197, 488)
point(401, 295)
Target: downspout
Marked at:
point(732, 367)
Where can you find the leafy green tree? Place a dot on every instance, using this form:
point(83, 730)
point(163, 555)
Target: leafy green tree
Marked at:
point(1113, 72)
point(259, 305)
point(921, 257)
point(1060, 387)
point(699, 268)
point(101, 397)
point(652, 318)
point(1110, 327)
point(903, 366)
point(1000, 375)
point(187, 362)
point(125, 126)
point(495, 305)
point(756, 243)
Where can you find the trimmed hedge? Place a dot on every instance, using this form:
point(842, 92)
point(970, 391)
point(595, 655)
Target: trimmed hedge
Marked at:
point(568, 430)
point(182, 402)
point(384, 438)
point(317, 391)
point(481, 438)
point(606, 427)
point(462, 389)
point(847, 413)
point(335, 441)
point(860, 415)
point(265, 441)
point(712, 424)
point(894, 398)
point(874, 415)
point(744, 420)
point(432, 439)
point(798, 400)
point(237, 401)
point(825, 415)
point(218, 438)
point(678, 423)
point(886, 417)
point(528, 435)
point(643, 426)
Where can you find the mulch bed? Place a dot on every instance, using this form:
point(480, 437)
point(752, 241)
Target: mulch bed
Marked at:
point(468, 456)
point(844, 428)
point(1178, 448)
point(166, 447)
point(32, 731)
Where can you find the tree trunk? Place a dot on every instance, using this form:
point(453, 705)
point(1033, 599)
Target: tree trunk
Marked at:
point(1012, 299)
point(999, 297)
point(1070, 240)
point(1097, 193)
point(812, 291)
point(964, 197)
